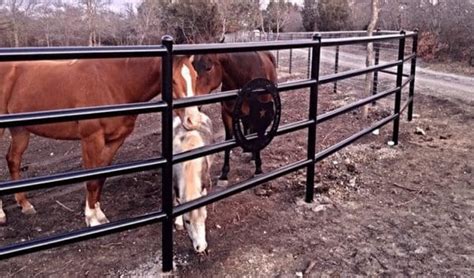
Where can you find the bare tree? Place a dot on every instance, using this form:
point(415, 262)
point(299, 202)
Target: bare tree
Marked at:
point(17, 12)
point(295, 22)
point(147, 19)
point(374, 16)
point(93, 8)
point(278, 14)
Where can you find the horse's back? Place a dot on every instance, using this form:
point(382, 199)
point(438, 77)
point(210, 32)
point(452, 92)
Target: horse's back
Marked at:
point(49, 85)
point(244, 67)
point(46, 85)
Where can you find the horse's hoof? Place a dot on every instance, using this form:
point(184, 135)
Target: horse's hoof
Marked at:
point(92, 222)
point(257, 174)
point(96, 222)
point(222, 183)
point(28, 210)
point(3, 220)
point(100, 217)
point(104, 220)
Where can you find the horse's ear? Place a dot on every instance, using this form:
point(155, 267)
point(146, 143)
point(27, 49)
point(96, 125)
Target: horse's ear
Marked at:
point(191, 58)
point(222, 39)
point(204, 192)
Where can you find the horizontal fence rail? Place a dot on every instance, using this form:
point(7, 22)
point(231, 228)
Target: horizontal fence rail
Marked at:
point(61, 53)
point(75, 114)
point(166, 106)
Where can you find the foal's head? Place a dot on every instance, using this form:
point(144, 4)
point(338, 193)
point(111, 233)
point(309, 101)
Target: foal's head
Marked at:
point(184, 85)
point(195, 223)
point(209, 70)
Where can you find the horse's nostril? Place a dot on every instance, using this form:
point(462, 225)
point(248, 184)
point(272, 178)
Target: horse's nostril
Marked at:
point(189, 122)
point(198, 248)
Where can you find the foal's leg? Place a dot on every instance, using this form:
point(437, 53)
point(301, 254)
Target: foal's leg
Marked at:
point(96, 153)
point(18, 145)
point(227, 120)
point(178, 222)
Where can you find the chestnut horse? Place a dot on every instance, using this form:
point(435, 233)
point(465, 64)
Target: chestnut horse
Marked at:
point(192, 178)
point(233, 71)
point(48, 85)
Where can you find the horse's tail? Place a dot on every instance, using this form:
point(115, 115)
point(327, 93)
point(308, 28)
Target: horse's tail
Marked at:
point(7, 80)
point(271, 72)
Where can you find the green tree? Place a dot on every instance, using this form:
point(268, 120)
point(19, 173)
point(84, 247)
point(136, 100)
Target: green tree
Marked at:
point(333, 15)
point(310, 15)
point(191, 21)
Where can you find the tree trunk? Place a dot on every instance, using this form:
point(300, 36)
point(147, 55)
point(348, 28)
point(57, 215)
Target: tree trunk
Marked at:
point(263, 25)
point(374, 16)
point(224, 23)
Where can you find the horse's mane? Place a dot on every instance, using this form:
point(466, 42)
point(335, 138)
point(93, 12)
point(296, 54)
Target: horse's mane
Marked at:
point(272, 58)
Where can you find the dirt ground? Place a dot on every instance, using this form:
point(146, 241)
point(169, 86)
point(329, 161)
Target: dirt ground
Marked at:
point(405, 210)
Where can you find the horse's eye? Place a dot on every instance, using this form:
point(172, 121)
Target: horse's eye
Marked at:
point(187, 222)
point(209, 68)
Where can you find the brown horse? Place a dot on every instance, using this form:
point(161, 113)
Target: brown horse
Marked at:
point(233, 71)
point(48, 85)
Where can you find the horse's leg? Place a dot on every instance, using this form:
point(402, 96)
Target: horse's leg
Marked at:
point(258, 163)
point(3, 216)
point(178, 222)
point(227, 120)
point(247, 130)
point(18, 145)
point(96, 153)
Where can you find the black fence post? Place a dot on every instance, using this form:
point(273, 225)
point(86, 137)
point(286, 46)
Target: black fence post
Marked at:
point(313, 112)
point(398, 94)
point(412, 75)
point(278, 59)
point(336, 66)
point(291, 58)
point(309, 62)
point(167, 151)
point(376, 73)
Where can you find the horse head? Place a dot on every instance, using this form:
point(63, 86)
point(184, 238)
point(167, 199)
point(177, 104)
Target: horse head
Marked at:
point(195, 223)
point(184, 85)
point(209, 70)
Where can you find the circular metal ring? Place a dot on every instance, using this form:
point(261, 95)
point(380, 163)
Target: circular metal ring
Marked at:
point(256, 115)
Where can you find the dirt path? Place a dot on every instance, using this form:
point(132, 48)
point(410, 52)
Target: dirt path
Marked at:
point(427, 81)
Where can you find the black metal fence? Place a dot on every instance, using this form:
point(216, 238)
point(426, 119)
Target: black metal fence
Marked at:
point(166, 106)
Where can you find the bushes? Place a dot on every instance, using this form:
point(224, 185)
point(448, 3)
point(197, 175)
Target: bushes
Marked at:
point(429, 46)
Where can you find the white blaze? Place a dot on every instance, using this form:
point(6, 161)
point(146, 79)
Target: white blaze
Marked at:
point(192, 117)
point(186, 73)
